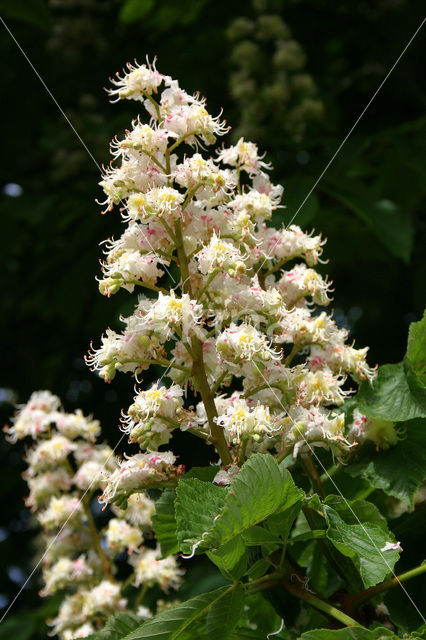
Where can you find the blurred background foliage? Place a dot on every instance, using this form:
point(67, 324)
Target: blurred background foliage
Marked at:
point(294, 75)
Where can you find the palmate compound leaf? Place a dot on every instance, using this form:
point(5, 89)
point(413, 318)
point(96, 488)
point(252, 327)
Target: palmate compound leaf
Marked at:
point(362, 543)
point(208, 516)
point(399, 470)
point(173, 623)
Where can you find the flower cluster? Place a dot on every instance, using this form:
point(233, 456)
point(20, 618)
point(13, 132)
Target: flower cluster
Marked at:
point(67, 468)
point(246, 312)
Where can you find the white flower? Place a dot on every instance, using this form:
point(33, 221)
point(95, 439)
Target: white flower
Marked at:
point(340, 357)
point(300, 282)
point(60, 510)
point(85, 630)
point(169, 312)
point(104, 598)
point(149, 570)
point(49, 453)
point(241, 421)
point(314, 427)
point(157, 399)
point(139, 510)
point(76, 425)
point(191, 120)
point(139, 81)
point(128, 267)
point(142, 138)
point(318, 387)
point(290, 243)
point(35, 417)
point(257, 206)
point(220, 254)
point(120, 535)
point(244, 342)
point(122, 352)
point(196, 171)
point(163, 202)
point(224, 476)
point(134, 175)
point(70, 614)
point(243, 155)
point(138, 472)
point(381, 432)
point(44, 485)
point(65, 572)
point(90, 476)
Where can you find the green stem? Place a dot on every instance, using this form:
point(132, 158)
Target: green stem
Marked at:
point(322, 605)
point(155, 103)
point(161, 363)
point(276, 267)
point(168, 229)
point(198, 369)
point(151, 157)
point(140, 596)
point(295, 349)
point(242, 451)
point(358, 600)
point(180, 140)
point(208, 281)
point(146, 285)
point(219, 381)
point(308, 464)
point(97, 540)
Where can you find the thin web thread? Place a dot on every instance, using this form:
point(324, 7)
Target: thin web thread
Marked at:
point(70, 515)
point(312, 451)
point(300, 207)
point(345, 139)
point(165, 372)
point(72, 127)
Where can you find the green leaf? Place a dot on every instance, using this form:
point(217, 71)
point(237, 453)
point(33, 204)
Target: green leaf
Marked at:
point(133, 10)
point(197, 504)
point(356, 511)
point(390, 396)
point(393, 227)
point(118, 626)
point(224, 615)
point(362, 544)
point(231, 558)
point(415, 358)
point(280, 523)
point(170, 624)
point(400, 470)
point(258, 535)
point(209, 516)
point(260, 489)
point(349, 633)
point(18, 627)
point(164, 523)
point(203, 473)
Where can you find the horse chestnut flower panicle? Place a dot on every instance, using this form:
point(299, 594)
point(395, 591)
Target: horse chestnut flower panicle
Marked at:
point(221, 309)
